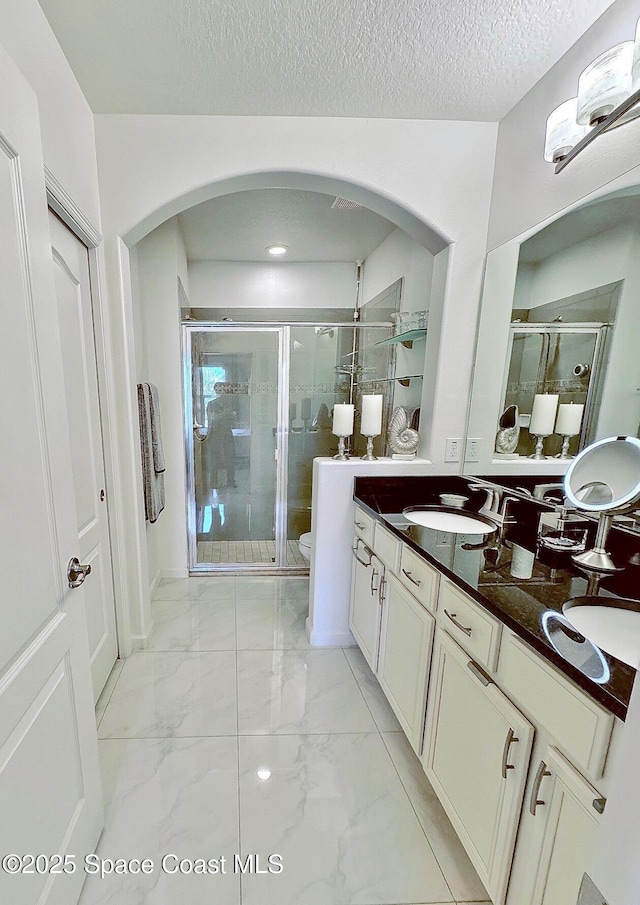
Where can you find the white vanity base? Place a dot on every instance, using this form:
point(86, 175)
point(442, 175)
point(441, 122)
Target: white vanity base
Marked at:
point(332, 531)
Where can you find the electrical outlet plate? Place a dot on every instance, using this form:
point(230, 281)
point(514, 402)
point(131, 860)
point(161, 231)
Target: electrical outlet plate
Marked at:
point(452, 449)
point(472, 451)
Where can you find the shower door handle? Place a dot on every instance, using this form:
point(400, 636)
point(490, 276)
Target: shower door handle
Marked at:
point(76, 573)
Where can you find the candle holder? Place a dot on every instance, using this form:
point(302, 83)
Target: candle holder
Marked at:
point(369, 456)
point(538, 453)
point(341, 455)
point(564, 452)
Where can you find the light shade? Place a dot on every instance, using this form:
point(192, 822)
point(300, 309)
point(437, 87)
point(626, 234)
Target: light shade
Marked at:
point(563, 132)
point(605, 83)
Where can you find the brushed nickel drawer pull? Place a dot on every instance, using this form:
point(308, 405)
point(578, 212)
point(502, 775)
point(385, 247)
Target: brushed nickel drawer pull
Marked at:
point(374, 575)
point(535, 791)
point(598, 804)
point(413, 580)
point(361, 527)
point(510, 739)
point(479, 673)
point(463, 628)
point(362, 562)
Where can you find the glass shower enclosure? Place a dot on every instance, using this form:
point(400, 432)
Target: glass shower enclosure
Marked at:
point(258, 410)
point(563, 359)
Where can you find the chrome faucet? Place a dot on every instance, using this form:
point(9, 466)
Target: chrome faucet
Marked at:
point(496, 503)
point(540, 491)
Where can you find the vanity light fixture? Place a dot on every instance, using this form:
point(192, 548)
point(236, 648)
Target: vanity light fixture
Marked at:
point(277, 250)
point(608, 96)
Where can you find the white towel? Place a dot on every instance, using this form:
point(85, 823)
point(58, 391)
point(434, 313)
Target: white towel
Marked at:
point(151, 450)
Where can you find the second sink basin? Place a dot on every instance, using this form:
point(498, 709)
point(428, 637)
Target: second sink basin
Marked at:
point(441, 518)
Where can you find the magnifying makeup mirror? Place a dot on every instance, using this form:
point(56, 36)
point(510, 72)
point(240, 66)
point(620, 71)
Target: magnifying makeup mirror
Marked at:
point(605, 479)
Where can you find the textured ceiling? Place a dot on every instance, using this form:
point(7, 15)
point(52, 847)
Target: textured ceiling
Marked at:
point(238, 227)
point(424, 59)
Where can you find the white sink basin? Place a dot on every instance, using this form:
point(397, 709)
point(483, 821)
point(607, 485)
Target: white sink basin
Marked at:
point(611, 624)
point(451, 520)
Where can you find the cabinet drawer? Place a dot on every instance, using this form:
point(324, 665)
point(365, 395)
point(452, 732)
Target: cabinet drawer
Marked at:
point(474, 629)
point(386, 547)
point(363, 525)
point(579, 726)
point(419, 577)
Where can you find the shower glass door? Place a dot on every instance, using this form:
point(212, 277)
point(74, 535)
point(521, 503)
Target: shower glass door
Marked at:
point(234, 429)
point(258, 404)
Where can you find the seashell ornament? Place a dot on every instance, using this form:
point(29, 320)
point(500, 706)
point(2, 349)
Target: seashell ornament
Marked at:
point(508, 433)
point(402, 439)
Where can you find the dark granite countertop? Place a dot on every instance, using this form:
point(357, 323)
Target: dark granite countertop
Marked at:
point(531, 607)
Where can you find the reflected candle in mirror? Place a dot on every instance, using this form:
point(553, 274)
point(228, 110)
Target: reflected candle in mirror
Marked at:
point(569, 419)
point(371, 425)
point(342, 419)
point(543, 415)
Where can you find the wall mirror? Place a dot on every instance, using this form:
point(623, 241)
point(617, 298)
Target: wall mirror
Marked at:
point(558, 353)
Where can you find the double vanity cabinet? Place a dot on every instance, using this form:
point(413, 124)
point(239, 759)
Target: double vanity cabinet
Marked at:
point(515, 751)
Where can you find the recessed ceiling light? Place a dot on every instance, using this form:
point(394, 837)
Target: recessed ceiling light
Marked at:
point(277, 250)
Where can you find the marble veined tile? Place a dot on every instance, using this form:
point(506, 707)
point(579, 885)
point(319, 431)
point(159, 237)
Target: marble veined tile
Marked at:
point(195, 625)
point(252, 587)
point(266, 624)
point(458, 870)
point(380, 709)
point(287, 691)
point(199, 588)
point(333, 807)
point(168, 797)
point(173, 694)
point(107, 691)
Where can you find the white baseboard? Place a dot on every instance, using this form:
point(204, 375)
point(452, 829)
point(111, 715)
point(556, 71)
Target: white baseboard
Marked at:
point(174, 573)
point(329, 639)
point(141, 642)
point(156, 581)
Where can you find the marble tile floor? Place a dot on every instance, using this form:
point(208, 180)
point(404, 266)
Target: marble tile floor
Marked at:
point(229, 736)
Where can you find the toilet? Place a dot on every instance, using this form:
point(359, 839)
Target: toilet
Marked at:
point(304, 545)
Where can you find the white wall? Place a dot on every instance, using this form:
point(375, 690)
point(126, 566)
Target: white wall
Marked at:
point(401, 256)
point(66, 120)
point(597, 261)
point(152, 166)
point(279, 285)
point(161, 259)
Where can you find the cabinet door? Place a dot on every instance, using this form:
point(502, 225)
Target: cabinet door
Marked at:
point(569, 808)
point(365, 609)
point(477, 750)
point(406, 640)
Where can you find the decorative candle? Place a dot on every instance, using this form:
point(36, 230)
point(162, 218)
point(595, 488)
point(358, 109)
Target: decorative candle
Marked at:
point(371, 415)
point(342, 419)
point(543, 415)
point(569, 419)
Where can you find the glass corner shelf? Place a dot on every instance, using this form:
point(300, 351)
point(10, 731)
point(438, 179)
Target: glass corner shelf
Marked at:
point(406, 338)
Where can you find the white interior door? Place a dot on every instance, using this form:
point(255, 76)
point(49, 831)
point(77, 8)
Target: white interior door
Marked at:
point(50, 798)
point(75, 316)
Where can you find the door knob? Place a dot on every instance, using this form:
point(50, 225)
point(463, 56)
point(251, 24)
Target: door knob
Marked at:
point(77, 573)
